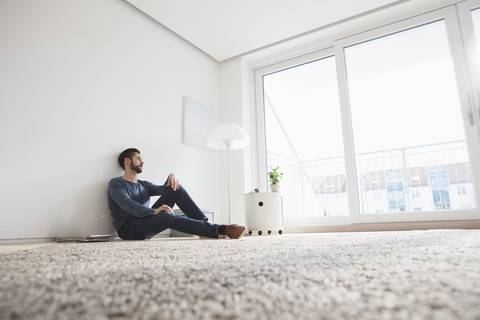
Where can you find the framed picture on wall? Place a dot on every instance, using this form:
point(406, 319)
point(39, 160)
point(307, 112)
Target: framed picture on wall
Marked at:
point(198, 120)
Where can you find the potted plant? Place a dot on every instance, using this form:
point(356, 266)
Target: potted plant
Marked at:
point(274, 179)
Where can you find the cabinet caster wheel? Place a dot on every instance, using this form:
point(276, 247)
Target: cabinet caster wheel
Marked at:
point(269, 232)
point(260, 232)
point(250, 232)
point(280, 231)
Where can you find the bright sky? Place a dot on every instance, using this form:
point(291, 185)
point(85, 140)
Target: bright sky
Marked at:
point(402, 93)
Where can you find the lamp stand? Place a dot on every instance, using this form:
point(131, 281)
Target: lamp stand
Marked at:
point(228, 136)
point(228, 144)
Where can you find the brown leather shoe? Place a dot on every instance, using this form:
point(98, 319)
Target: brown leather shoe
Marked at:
point(234, 231)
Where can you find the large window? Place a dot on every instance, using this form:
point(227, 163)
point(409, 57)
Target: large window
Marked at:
point(406, 119)
point(304, 138)
point(382, 126)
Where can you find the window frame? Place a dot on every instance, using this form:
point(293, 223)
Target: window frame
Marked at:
point(261, 139)
point(452, 17)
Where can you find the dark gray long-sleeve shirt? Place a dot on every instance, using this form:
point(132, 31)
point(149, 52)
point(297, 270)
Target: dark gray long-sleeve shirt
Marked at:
point(127, 199)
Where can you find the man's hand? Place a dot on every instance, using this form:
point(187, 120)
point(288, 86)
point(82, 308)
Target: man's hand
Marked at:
point(173, 182)
point(161, 209)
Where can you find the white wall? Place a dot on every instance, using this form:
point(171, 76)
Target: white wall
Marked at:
point(236, 103)
point(80, 81)
point(232, 107)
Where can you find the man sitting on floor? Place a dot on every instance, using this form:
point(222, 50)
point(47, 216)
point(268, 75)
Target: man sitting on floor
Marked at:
point(129, 199)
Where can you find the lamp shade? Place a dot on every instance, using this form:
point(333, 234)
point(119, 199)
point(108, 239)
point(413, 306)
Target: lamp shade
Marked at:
point(228, 136)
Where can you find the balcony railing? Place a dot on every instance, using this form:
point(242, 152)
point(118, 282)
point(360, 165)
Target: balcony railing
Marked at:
point(418, 178)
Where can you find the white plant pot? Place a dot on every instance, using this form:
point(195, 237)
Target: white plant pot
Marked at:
point(275, 187)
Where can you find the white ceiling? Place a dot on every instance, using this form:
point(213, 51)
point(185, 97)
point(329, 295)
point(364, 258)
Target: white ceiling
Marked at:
point(227, 28)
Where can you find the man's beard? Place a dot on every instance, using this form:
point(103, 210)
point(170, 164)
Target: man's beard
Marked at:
point(135, 168)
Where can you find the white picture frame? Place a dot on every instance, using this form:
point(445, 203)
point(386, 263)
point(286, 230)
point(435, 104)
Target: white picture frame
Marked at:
point(198, 120)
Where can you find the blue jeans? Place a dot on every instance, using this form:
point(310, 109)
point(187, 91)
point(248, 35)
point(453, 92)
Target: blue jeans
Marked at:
point(194, 221)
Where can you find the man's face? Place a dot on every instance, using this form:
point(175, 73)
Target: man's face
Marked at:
point(136, 164)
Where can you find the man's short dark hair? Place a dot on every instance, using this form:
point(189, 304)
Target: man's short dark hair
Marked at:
point(126, 154)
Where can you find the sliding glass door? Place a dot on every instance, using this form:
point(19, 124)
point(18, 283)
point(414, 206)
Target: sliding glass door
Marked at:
point(469, 13)
point(381, 129)
point(304, 137)
point(409, 137)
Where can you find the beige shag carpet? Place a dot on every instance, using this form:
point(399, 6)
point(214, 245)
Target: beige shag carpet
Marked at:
point(378, 275)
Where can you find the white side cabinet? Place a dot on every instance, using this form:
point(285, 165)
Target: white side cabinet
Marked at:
point(264, 212)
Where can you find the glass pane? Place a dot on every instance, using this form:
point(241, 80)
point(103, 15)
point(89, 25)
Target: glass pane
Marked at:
point(304, 138)
point(409, 138)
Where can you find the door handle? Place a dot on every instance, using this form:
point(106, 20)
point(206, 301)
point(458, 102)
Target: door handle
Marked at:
point(471, 118)
point(478, 106)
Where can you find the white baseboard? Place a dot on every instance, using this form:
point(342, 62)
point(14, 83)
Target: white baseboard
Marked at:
point(26, 240)
point(398, 226)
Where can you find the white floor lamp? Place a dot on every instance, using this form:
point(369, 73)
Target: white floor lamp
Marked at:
point(228, 136)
